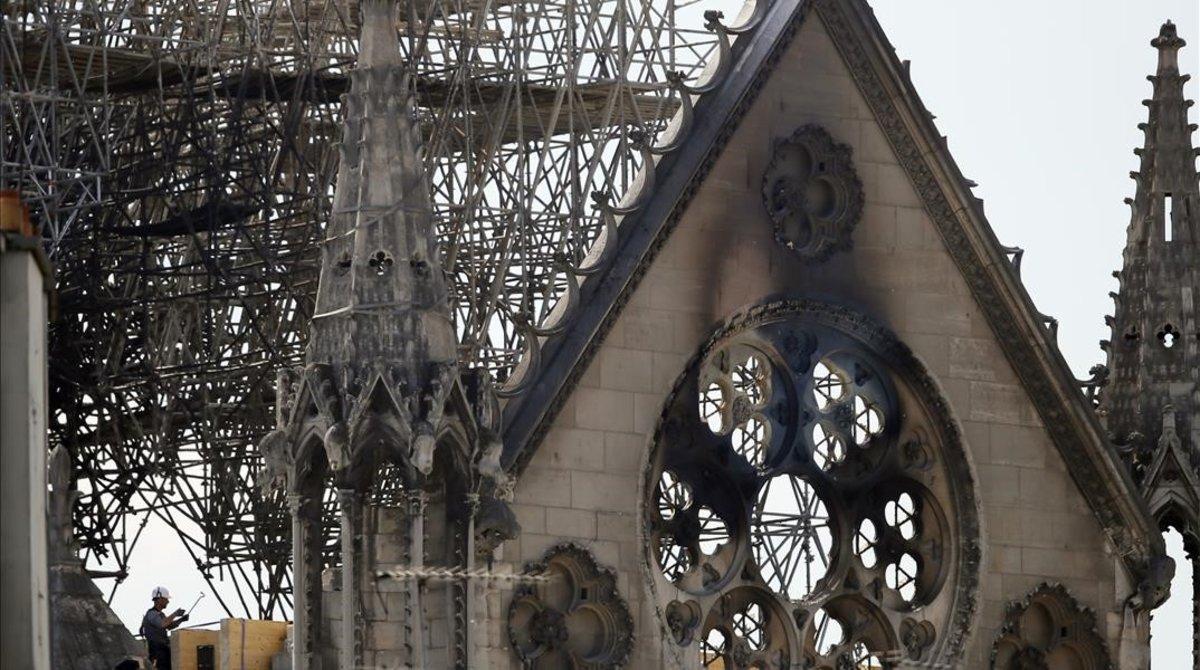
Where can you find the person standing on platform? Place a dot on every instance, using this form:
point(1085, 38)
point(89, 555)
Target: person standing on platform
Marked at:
point(155, 625)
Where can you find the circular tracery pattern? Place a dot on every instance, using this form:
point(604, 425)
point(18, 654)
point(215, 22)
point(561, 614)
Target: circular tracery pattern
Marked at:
point(785, 504)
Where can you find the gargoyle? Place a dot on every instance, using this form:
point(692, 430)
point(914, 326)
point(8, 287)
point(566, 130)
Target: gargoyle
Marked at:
point(276, 451)
point(433, 406)
point(1155, 585)
point(495, 524)
point(337, 447)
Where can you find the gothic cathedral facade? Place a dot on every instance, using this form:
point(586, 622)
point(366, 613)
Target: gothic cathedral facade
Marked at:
point(797, 409)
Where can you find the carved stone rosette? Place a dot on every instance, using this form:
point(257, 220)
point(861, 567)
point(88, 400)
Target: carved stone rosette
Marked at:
point(808, 502)
point(1047, 630)
point(573, 617)
point(812, 193)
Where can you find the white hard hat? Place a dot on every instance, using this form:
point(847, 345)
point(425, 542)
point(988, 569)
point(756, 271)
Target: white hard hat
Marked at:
point(160, 592)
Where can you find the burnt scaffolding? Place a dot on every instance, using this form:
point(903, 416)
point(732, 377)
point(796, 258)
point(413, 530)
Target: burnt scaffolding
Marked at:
point(179, 158)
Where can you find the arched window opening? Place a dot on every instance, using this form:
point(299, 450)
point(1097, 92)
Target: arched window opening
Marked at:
point(1171, 623)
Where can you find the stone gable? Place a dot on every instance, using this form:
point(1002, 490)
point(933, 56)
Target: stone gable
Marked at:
point(583, 484)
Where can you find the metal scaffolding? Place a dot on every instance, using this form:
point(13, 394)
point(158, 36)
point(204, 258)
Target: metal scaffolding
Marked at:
point(179, 158)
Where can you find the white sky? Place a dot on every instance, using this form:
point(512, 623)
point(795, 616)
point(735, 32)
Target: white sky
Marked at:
point(1040, 101)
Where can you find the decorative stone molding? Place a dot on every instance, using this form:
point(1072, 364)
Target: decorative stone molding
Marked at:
point(573, 617)
point(1049, 630)
point(812, 193)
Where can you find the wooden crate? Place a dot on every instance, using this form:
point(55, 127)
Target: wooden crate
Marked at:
point(249, 644)
point(185, 649)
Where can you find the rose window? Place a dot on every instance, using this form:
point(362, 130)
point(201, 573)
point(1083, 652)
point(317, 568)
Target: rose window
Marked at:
point(808, 500)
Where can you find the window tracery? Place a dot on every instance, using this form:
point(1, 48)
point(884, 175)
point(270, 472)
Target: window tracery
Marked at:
point(812, 193)
point(573, 617)
point(807, 500)
point(1049, 629)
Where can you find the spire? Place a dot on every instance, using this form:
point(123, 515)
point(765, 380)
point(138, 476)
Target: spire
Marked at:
point(370, 404)
point(381, 329)
point(1166, 179)
point(1154, 354)
point(382, 297)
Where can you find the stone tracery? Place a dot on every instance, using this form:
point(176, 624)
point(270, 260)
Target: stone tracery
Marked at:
point(837, 539)
point(1049, 629)
point(573, 617)
point(812, 193)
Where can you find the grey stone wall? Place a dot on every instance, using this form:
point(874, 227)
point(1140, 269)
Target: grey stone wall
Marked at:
point(583, 483)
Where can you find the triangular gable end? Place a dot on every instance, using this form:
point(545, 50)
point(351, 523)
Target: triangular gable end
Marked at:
point(944, 194)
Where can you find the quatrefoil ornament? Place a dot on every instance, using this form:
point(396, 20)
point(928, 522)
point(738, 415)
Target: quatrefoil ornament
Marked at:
point(812, 194)
point(571, 616)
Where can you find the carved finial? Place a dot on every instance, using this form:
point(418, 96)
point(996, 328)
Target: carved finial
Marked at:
point(1168, 38)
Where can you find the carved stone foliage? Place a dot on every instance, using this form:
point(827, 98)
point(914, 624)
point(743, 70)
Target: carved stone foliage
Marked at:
point(812, 193)
point(1049, 630)
point(571, 618)
point(807, 500)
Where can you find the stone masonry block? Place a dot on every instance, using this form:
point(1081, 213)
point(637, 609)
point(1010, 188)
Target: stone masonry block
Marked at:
point(1035, 530)
point(646, 330)
point(571, 523)
point(1003, 524)
point(615, 526)
point(915, 232)
point(1000, 403)
point(1017, 445)
point(873, 146)
point(933, 313)
point(1049, 489)
point(573, 449)
point(976, 358)
point(531, 517)
point(932, 350)
point(666, 366)
point(626, 369)
point(603, 492)
point(1047, 562)
point(1000, 484)
point(877, 230)
point(542, 486)
point(691, 331)
point(681, 291)
point(385, 635)
point(604, 409)
point(646, 411)
point(623, 452)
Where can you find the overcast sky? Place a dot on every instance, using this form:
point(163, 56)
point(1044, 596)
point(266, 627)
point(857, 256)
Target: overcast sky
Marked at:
point(1040, 101)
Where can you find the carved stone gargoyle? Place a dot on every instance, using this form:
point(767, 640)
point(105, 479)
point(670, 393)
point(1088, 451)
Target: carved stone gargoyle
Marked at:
point(1154, 584)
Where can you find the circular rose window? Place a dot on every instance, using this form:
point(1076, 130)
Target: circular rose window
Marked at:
point(808, 501)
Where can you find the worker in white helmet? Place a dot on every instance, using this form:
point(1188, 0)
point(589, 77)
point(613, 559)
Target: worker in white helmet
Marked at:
point(156, 624)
